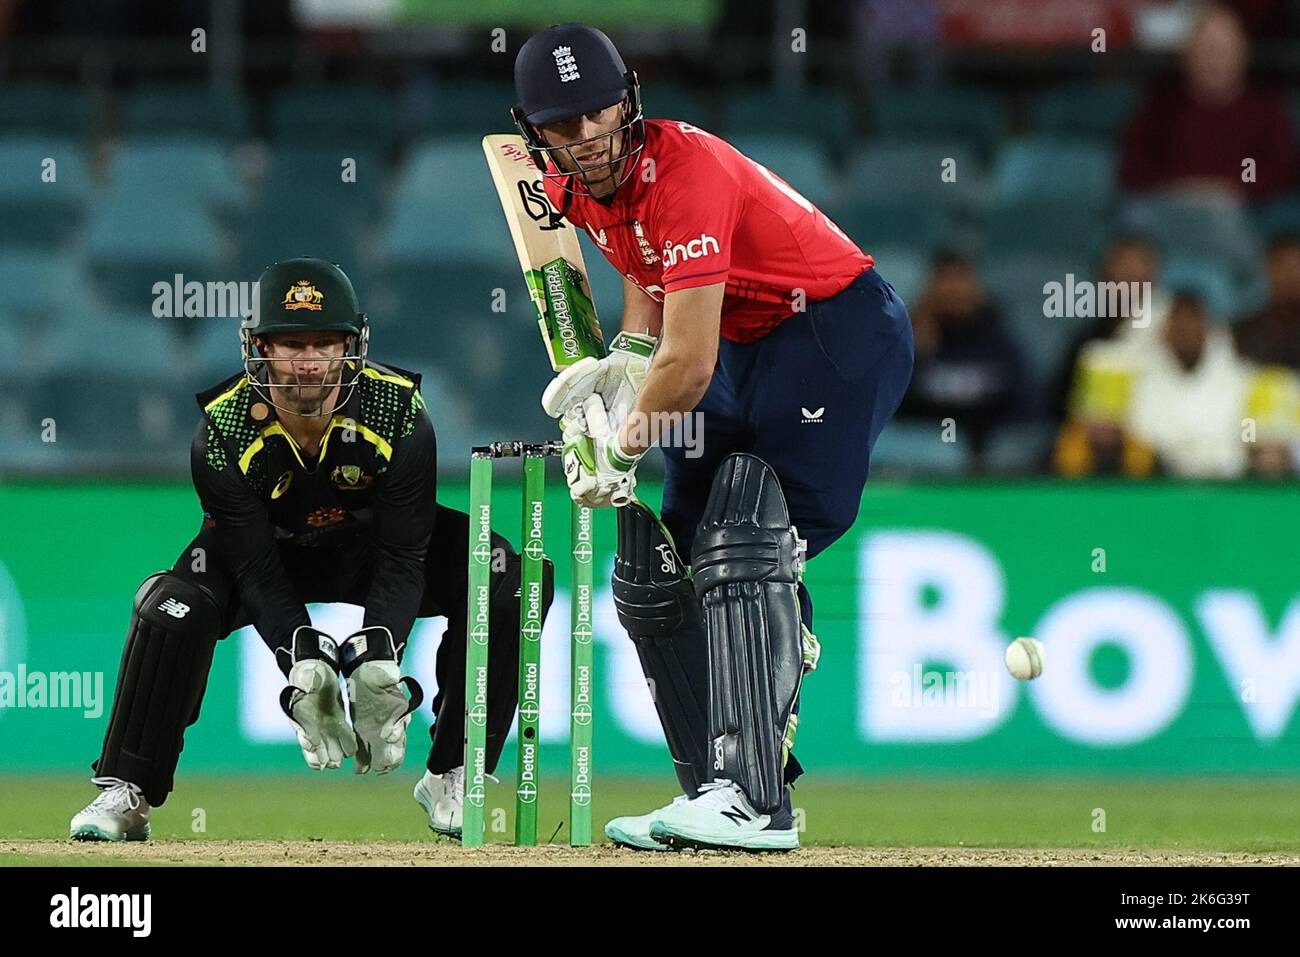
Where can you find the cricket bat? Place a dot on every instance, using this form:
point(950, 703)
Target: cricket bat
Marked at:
point(548, 252)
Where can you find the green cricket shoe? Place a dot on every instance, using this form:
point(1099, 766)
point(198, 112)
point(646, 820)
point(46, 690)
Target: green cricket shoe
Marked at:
point(443, 798)
point(120, 813)
point(720, 818)
point(634, 831)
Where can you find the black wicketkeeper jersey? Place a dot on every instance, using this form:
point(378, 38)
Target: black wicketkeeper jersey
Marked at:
point(373, 483)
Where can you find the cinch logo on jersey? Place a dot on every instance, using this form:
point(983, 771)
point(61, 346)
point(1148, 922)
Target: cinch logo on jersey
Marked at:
point(74, 909)
point(695, 249)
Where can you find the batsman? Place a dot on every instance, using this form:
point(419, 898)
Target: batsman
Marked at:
point(747, 308)
point(317, 472)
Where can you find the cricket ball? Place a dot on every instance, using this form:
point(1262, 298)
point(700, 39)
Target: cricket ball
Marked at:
point(1025, 658)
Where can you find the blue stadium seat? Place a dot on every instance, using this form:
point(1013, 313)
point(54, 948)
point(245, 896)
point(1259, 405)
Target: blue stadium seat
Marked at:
point(120, 342)
point(135, 241)
point(467, 233)
point(887, 169)
point(973, 117)
point(824, 116)
point(140, 421)
point(1215, 231)
point(33, 210)
point(908, 447)
point(917, 226)
point(214, 348)
point(468, 109)
point(1098, 111)
point(22, 412)
point(1036, 167)
point(445, 208)
point(116, 394)
point(441, 316)
point(342, 117)
point(800, 163)
point(185, 108)
point(183, 168)
point(1016, 284)
point(13, 331)
point(1019, 448)
point(441, 170)
point(44, 109)
point(305, 208)
point(668, 102)
point(903, 268)
point(1046, 226)
point(40, 285)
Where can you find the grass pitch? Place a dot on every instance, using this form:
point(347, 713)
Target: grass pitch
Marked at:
point(343, 819)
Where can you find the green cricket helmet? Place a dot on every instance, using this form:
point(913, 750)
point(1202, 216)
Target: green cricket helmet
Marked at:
point(305, 295)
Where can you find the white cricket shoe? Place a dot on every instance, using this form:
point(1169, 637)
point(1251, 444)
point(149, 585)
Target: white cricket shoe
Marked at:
point(120, 813)
point(443, 798)
point(634, 831)
point(721, 818)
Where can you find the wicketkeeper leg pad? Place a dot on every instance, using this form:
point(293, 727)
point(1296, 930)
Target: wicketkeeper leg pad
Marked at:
point(174, 628)
point(448, 732)
point(747, 562)
point(661, 613)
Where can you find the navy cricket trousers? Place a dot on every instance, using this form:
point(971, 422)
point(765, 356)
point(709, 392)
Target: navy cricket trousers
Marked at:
point(809, 399)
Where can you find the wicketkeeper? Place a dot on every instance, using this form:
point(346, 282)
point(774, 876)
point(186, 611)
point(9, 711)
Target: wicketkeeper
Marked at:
point(746, 306)
point(317, 473)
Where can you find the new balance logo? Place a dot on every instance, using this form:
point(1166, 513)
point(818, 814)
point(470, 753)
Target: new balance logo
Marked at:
point(177, 609)
point(736, 816)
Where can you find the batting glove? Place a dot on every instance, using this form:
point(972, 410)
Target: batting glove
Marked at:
point(617, 379)
point(597, 472)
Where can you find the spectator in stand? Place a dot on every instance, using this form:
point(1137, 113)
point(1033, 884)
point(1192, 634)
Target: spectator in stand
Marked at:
point(967, 366)
point(1194, 133)
point(1273, 420)
point(1272, 335)
point(1095, 439)
point(1189, 396)
point(1130, 258)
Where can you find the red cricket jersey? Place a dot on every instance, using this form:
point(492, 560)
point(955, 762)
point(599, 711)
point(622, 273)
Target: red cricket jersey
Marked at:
point(710, 214)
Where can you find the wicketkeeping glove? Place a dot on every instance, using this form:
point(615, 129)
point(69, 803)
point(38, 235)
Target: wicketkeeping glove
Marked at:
point(313, 701)
point(380, 708)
